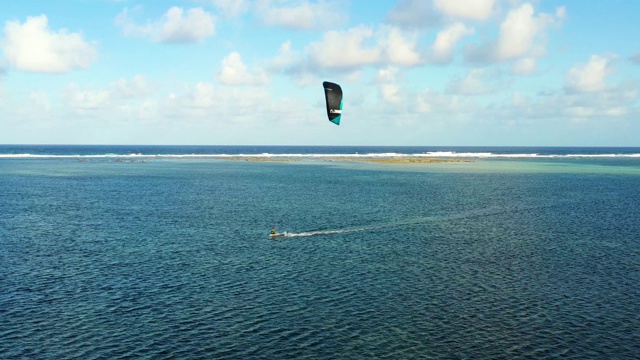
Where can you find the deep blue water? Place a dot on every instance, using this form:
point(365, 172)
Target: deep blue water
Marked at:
point(170, 258)
point(259, 149)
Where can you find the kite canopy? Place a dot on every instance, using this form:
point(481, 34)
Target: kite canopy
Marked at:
point(333, 95)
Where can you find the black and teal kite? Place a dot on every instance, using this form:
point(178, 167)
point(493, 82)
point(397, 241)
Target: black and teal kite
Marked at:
point(333, 95)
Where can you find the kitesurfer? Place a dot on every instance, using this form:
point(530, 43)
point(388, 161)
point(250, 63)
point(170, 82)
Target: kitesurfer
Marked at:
point(273, 230)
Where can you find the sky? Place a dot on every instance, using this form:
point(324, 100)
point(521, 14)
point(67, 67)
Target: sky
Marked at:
point(250, 72)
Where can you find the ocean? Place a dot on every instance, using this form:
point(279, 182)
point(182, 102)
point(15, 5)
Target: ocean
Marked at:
point(162, 252)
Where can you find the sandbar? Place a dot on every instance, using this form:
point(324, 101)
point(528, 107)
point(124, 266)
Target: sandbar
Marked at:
point(378, 160)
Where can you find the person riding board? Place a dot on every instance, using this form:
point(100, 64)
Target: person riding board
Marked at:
point(273, 230)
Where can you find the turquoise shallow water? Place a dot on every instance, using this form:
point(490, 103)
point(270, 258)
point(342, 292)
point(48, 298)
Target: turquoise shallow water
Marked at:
point(171, 259)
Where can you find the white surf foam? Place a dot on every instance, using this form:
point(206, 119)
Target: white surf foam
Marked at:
point(437, 154)
point(329, 232)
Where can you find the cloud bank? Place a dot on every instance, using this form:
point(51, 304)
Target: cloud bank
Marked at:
point(32, 46)
point(176, 26)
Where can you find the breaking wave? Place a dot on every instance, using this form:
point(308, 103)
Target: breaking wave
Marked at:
point(434, 154)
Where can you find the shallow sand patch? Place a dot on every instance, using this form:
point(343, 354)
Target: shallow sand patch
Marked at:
point(411, 160)
point(262, 159)
point(377, 160)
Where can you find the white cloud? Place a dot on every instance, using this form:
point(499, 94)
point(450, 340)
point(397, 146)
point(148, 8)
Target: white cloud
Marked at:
point(580, 111)
point(589, 77)
point(360, 46)
point(522, 34)
point(195, 25)
point(344, 49)
point(197, 101)
point(391, 93)
point(477, 82)
point(33, 47)
point(616, 111)
point(232, 8)
point(286, 57)
point(176, 26)
point(517, 32)
point(40, 100)
point(433, 102)
point(2, 73)
point(203, 96)
point(118, 93)
point(597, 112)
point(413, 14)
point(519, 100)
point(561, 13)
point(135, 88)
point(525, 66)
point(386, 75)
point(301, 15)
point(234, 72)
point(446, 40)
point(206, 101)
point(636, 58)
point(87, 99)
point(129, 27)
point(465, 9)
point(399, 50)
point(616, 101)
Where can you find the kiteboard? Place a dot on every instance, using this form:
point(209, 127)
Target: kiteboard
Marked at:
point(273, 236)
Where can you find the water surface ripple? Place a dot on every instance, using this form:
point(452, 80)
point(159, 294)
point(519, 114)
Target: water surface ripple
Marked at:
point(171, 259)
